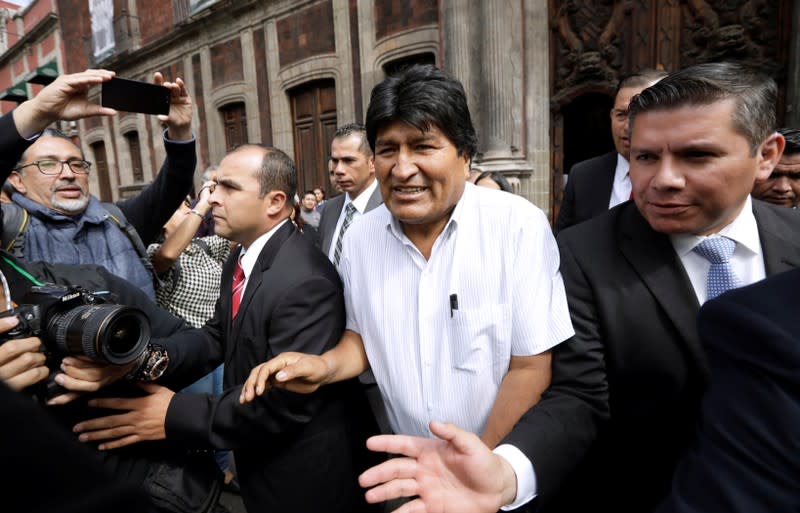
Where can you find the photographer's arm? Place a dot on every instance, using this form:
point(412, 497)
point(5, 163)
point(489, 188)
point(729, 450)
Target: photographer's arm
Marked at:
point(179, 239)
point(149, 210)
point(65, 98)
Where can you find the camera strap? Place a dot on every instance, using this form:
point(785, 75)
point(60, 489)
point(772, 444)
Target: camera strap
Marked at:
point(22, 271)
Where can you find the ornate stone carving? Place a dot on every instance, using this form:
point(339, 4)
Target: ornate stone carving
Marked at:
point(738, 30)
point(587, 42)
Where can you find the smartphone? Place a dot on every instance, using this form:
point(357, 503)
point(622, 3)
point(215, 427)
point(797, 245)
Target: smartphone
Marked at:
point(135, 96)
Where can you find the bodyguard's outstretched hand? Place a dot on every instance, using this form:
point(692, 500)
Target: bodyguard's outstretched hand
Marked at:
point(296, 372)
point(65, 98)
point(179, 119)
point(455, 474)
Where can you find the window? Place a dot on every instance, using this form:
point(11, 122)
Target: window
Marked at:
point(234, 118)
point(136, 156)
point(101, 164)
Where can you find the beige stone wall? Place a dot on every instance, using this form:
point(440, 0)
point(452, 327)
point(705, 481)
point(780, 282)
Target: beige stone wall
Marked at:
point(502, 61)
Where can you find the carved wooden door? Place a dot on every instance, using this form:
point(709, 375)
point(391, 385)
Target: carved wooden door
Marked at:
point(594, 43)
point(314, 118)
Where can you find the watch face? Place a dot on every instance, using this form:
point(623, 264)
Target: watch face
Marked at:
point(158, 367)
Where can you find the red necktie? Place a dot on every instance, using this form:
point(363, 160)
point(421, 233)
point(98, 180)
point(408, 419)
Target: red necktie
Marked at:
point(238, 288)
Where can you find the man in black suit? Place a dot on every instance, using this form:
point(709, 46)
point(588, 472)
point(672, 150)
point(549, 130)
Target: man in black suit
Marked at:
point(601, 183)
point(746, 457)
point(279, 293)
point(353, 169)
point(700, 139)
point(636, 276)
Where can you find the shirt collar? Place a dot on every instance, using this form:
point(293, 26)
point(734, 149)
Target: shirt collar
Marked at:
point(361, 201)
point(622, 170)
point(249, 256)
point(743, 229)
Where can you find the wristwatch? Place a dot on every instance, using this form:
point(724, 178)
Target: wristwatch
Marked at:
point(154, 364)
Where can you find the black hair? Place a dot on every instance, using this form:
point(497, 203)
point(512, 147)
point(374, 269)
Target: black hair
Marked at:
point(755, 95)
point(357, 129)
point(792, 136)
point(276, 173)
point(423, 96)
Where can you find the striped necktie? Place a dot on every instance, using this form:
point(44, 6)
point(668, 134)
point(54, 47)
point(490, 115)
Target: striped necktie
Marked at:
point(349, 211)
point(238, 288)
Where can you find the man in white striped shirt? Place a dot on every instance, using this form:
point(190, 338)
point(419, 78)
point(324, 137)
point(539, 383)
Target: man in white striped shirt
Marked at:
point(452, 291)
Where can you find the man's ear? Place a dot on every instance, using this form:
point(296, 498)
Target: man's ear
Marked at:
point(16, 180)
point(277, 203)
point(769, 153)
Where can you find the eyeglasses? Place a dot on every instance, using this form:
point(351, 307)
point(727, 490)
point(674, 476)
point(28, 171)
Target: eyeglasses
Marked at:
point(54, 167)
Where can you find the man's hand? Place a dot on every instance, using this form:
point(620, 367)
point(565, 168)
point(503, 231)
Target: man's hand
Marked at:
point(81, 374)
point(457, 474)
point(179, 120)
point(65, 98)
point(143, 419)
point(297, 372)
point(21, 362)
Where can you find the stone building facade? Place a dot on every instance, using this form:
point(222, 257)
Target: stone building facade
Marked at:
point(287, 72)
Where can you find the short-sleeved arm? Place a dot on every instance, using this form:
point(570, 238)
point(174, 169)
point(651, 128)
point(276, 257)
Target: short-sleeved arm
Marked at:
point(540, 317)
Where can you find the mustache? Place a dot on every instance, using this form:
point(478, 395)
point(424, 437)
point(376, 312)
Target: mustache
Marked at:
point(60, 184)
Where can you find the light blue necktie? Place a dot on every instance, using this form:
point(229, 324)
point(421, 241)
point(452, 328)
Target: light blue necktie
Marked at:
point(721, 278)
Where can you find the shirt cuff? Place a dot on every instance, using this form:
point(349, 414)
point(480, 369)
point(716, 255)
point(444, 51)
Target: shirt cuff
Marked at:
point(177, 142)
point(523, 469)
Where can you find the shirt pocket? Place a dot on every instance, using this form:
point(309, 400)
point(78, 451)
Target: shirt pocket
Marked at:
point(480, 338)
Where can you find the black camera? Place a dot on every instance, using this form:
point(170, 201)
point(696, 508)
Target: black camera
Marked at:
point(73, 321)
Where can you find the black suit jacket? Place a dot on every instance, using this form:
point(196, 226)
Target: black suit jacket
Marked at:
point(747, 455)
point(330, 216)
point(294, 452)
point(634, 312)
point(588, 190)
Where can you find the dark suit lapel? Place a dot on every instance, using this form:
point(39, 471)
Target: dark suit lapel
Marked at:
point(778, 232)
point(254, 282)
point(330, 216)
point(603, 183)
point(654, 260)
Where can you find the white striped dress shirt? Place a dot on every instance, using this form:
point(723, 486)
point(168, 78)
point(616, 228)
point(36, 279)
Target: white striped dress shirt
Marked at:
point(497, 259)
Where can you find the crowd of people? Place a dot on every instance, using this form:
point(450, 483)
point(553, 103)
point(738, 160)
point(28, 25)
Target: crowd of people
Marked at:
point(424, 334)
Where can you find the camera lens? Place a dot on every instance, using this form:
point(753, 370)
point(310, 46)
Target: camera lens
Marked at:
point(106, 333)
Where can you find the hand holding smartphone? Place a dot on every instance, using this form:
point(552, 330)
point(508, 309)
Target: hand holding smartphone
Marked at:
point(134, 96)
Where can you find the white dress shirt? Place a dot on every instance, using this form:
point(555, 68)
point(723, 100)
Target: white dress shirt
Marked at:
point(249, 256)
point(439, 333)
point(621, 190)
point(747, 261)
point(360, 203)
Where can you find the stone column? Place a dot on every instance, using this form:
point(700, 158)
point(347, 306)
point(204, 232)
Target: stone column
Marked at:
point(501, 82)
point(537, 104)
point(460, 45)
